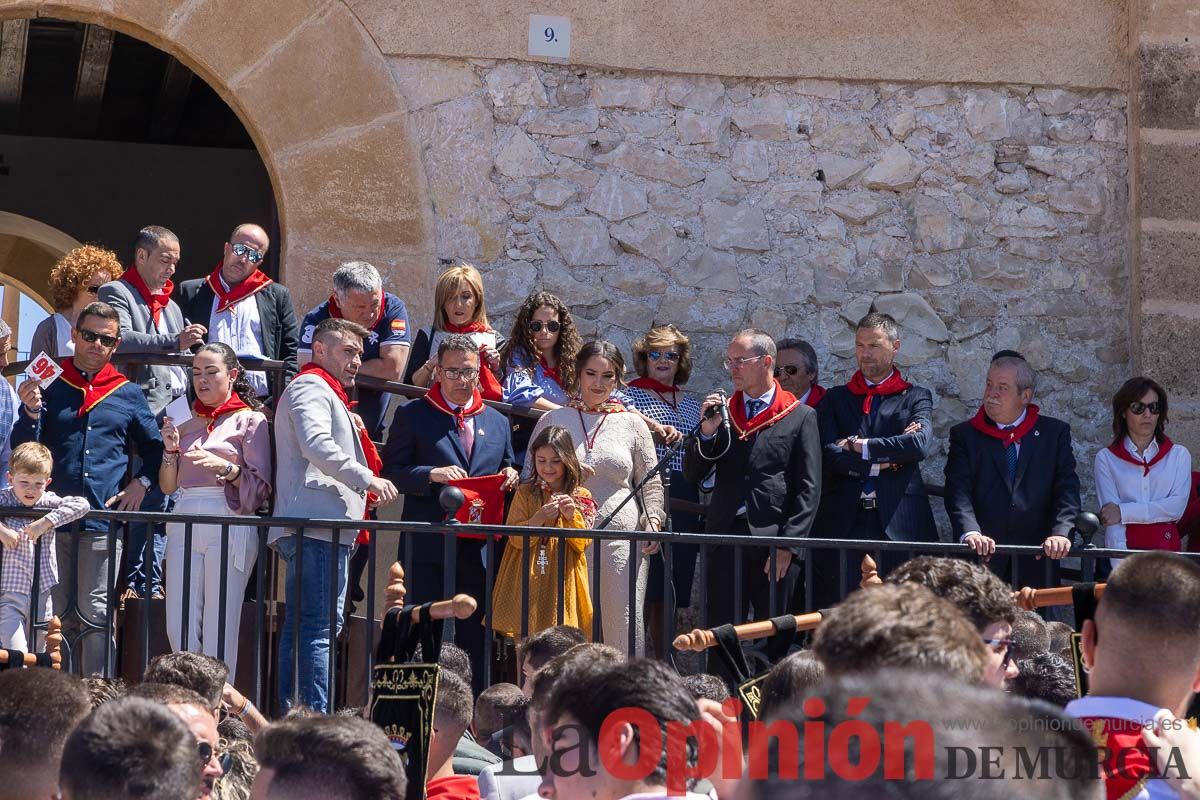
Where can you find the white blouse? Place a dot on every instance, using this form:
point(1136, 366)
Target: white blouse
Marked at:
point(1160, 496)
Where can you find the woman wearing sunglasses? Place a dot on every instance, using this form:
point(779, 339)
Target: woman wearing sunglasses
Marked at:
point(75, 281)
point(538, 360)
point(1143, 480)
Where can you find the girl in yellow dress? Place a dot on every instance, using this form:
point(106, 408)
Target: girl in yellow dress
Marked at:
point(554, 499)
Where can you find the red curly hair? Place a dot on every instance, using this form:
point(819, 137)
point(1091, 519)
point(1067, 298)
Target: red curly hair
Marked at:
point(73, 271)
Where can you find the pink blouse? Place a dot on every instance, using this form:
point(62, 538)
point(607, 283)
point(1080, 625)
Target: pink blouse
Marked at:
point(241, 437)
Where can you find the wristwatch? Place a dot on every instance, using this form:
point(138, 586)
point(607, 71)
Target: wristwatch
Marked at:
point(144, 481)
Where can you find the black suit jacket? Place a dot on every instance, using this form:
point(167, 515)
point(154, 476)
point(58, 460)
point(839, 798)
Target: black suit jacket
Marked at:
point(776, 473)
point(903, 504)
point(281, 330)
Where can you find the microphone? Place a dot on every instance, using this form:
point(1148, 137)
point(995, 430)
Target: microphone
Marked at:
point(724, 408)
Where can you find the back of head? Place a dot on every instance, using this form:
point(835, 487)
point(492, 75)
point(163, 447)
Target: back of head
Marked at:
point(1060, 638)
point(320, 757)
point(1154, 629)
point(455, 659)
point(453, 708)
point(130, 749)
point(548, 643)
point(546, 678)
point(101, 690)
point(169, 694)
point(974, 589)
point(703, 686)
point(38, 708)
point(1047, 677)
point(497, 706)
point(899, 625)
point(202, 674)
point(789, 680)
point(1030, 635)
point(926, 743)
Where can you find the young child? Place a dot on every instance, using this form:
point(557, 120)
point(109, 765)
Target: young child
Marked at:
point(554, 499)
point(29, 474)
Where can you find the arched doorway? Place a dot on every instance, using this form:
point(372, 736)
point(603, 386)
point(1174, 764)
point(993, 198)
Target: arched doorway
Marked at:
point(28, 249)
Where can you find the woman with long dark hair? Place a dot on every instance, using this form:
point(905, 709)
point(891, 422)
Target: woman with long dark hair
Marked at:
point(220, 461)
point(538, 360)
point(1143, 479)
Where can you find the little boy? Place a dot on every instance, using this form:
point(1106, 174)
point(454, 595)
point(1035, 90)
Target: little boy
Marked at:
point(28, 476)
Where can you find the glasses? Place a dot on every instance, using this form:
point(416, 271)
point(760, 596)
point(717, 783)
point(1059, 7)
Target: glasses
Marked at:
point(1007, 644)
point(91, 337)
point(93, 290)
point(467, 373)
point(737, 363)
point(553, 326)
point(790, 369)
point(1138, 407)
point(248, 253)
point(655, 355)
point(206, 752)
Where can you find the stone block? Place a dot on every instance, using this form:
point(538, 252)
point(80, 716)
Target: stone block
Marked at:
point(635, 276)
point(1168, 89)
point(897, 170)
point(763, 118)
point(429, 81)
point(840, 171)
point(1168, 353)
point(1068, 162)
point(206, 28)
point(704, 311)
point(750, 161)
point(520, 157)
point(697, 93)
point(650, 162)
point(509, 285)
point(1168, 266)
point(855, 208)
point(564, 123)
point(1083, 197)
point(553, 193)
point(515, 84)
point(989, 114)
point(739, 227)
point(693, 128)
point(581, 241)
point(634, 94)
point(711, 269)
point(1068, 130)
point(616, 199)
point(934, 228)
point(850, 139)
point(1053, 102)
point(794, 196)
point(913, 313)
point(1018, 219)
point(651, 237)
point(1169, 176)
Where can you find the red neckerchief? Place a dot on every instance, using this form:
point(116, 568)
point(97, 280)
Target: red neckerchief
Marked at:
point(1127, 764)
point(157, 301)
point(370, 452)
point(783, 404)
point(652, 385)
point(257, 281)
point(609, 406)
point(470, 327)
point(102, 384)
point(436, 399)
point(987, 426)
point(815, 393)
point(1119, 450)
point(335, 311)
point(893, 384)
point(234, 403)
point(549, 371)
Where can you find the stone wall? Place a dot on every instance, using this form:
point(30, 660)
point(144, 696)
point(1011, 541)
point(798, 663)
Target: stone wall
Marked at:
point(981, 218)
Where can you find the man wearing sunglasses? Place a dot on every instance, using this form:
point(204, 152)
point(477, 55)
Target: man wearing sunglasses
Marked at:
point(1010, 477)
point(243, 308)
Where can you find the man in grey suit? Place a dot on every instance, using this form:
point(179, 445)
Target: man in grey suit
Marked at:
point(151, 322)
point(321, 473)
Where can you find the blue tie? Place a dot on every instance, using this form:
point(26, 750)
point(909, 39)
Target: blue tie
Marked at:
point(1010, 455)
point(752, 408)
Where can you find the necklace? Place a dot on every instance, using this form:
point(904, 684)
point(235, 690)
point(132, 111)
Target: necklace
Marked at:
point(543, 560)
point(589, 441)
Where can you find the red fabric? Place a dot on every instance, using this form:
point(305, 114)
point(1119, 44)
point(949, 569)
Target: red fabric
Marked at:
point(652, 385)
point(370, 452)
point(470, 327)
point(484, 500)
point(102, 384)
point(335, 310)
point(1189, 523)
point(894, 384)
point(980, 422)
point(257, 281)
point(489, 384)
point(436, 399)
point(452, 787)
point(784, 403)
point(550, 372)
point(1119, 450)
point(234, 403)
point(1152, 536)
point(156, 301)
point(815, 393)
point(1127, 764)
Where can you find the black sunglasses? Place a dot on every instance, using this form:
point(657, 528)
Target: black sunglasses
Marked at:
point(249, 253)
point(1137, 407)
point(92, 337)
point(790, 369)
point(655, 355)
point(93, 290)
point(553, 326)
point(1008, 650)
point(205, 750)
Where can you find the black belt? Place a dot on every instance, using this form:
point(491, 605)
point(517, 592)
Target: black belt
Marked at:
point(869, 503)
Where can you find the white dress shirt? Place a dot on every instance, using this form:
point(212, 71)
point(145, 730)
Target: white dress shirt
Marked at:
point(240, 327)
point(1160, 496)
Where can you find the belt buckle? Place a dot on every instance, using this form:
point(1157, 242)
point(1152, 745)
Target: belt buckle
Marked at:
point(868, 503)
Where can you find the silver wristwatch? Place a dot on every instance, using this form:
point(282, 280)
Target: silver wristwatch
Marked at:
point(144, 481)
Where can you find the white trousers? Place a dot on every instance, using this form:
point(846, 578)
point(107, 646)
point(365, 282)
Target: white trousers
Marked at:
point(203, 591)
point(14, 619)
point(616, 606)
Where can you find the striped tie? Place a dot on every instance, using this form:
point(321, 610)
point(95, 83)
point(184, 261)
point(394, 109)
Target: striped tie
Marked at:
point(1010, 455)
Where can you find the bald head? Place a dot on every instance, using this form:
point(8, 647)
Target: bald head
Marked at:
point(244, 252)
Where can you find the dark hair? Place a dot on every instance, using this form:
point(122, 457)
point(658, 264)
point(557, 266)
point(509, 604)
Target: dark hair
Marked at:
point(899, 625)
point(453, 658)
point(1007, 354)
point(548, 643)
point(807, 352)
point(881, 321)
point(789, 680)
point(169, 694)
point(38, 708)
point(321, 757)
point(1060, 637)
point(151, 237)
point(241, 386)
point(1134, 596)
point(453, 705)
point(1030, 635)
point(974, 589)
point(1045, 676)
point(130, 748)
point(558, 439)
point(707, 687)
point(339, 326)
point(456, 343)
point(521, 339)
point(547, 677)
point(101, 310)
point(101, 690)
point(1131, 391)
point(603, 349)
point(591, 692)
point(498, 706)
point(204, 675)
point(664, 336)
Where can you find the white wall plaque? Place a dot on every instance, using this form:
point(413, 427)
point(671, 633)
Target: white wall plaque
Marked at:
point(549, 36)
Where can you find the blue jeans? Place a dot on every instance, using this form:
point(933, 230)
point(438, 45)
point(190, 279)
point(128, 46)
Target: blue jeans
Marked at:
point(135, 570)
point(313, 609)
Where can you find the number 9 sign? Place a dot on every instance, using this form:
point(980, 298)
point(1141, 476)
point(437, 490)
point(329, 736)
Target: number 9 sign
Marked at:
point(44, 369)
point(549, 37)
point(549, 34)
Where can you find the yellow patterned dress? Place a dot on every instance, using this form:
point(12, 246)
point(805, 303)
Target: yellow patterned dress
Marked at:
point(543, 569)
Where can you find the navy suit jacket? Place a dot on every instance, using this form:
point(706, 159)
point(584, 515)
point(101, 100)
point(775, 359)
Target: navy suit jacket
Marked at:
point(903, 504)
point(422, 438)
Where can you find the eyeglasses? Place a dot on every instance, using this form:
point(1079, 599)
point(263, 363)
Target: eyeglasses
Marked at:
point(91, 337)
point(655, 355)
point(1007, 644)
point(467, 373)
point(1138, 407)
point(790, 369)
point(246, 252)
point(737, 363)
point(206, 751)
point(554, 326)
point(93, 290)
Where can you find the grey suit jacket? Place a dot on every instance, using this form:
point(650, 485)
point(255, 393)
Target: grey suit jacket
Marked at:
point(138, 335)
point(320, 469)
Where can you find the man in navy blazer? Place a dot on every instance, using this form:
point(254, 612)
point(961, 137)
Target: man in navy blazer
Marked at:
point(1010, 477)
point(448, 435)
point(875, 431)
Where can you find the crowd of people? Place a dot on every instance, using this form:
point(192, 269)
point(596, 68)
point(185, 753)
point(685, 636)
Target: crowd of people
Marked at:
point(782, 457)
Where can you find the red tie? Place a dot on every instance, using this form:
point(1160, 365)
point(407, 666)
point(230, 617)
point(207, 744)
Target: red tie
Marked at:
point(466, 435)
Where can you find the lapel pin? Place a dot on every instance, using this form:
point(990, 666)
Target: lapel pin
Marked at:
point(1037, 433)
